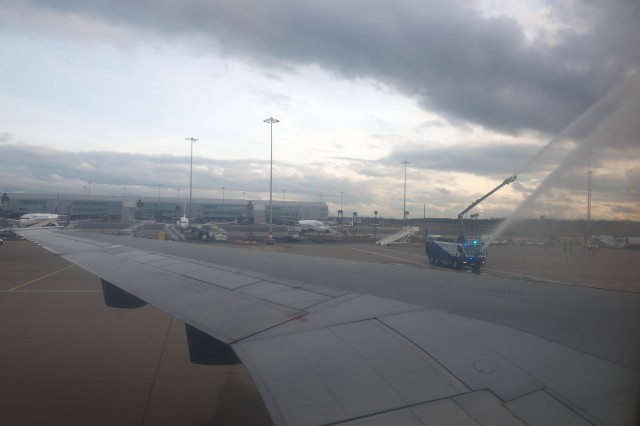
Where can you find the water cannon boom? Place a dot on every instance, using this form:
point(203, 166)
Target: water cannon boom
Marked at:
point(507, 181)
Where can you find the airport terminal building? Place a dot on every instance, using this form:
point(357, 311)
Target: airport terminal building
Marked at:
point(122, 208)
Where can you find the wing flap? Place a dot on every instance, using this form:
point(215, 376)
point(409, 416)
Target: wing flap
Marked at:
point(468, 357)
point(343, 372)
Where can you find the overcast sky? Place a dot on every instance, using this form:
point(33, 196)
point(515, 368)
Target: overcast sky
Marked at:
point(468, 92)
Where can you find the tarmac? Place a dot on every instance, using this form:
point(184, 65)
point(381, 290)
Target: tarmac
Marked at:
point(68, 359)
point(610, 269)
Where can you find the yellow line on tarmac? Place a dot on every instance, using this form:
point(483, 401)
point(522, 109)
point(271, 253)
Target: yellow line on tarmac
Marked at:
point(41, 278)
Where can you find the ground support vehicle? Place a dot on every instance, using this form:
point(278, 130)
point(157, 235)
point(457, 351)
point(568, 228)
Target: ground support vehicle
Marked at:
point(455, 254)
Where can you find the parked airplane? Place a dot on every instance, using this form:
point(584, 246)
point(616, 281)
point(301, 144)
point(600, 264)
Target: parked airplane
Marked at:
point(44, 220)
point(617, 242)
point(313, 225)
point(628, 242)
point(447, 349)
point(182, 223)
point(38, 219)
point(309, 225)
point(35, 220)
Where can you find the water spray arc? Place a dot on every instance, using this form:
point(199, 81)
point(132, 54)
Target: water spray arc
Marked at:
point(614, 116)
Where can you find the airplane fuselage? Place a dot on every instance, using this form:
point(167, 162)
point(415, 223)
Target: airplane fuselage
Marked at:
point(31, 219)
point(313, 225)
point(183, 223)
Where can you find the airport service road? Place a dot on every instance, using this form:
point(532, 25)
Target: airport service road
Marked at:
point(600, 322)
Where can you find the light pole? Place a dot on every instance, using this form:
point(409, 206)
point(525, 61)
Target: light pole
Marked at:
point(89, 189)
point(404, 199)
point(159, 193)
point(282, 215)
point(375, 226)
point(589, 173)
point(192, 140)
point(271, 121)
point(139, 206)
point(341, 215)
point(5, 204)
point(223, 210)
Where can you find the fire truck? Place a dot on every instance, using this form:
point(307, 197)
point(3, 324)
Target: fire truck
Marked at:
point(456, 254)
point(459, 253)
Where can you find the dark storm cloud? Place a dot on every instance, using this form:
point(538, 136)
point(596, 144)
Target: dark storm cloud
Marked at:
point(497, 160)
point(446, 54)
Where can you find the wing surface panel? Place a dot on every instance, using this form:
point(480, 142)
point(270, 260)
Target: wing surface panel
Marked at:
point(60, 243)
point(228, 280)
point(456, 411)
point(538, 407)
point(343, 372)
point(118, 250)
point(404, 417)
point(466, 355)
point(512, 364)
point(340, 310)
point(283, 294)
point(139, 256)
point(486, 409)
point(176, 266)
point(223, 313)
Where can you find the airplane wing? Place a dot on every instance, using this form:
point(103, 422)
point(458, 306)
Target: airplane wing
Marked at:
point(322, 355)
